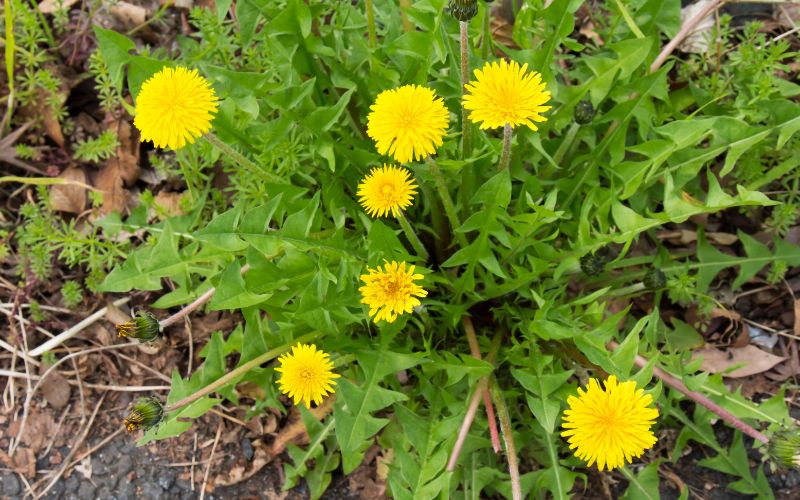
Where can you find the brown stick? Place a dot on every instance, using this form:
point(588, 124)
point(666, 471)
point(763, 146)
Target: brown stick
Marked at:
point(687, 28)
point(475, 350)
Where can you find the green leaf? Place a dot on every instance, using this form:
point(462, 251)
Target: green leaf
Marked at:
point(232, 292)
point(115, 49)
point(355, 424)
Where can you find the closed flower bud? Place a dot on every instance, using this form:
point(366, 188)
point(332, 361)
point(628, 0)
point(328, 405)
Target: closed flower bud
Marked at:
point(655, 279)
point(784, 448)
point(584, 112)
point(463, 10)
point(146, 413)
point(593, 264)
point(143, 327)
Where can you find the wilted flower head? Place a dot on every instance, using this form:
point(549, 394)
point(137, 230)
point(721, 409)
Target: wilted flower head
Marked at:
point(391, 291)
point(306, 374)
point(146, 413)
point(144, 326)
point(386, 190)
point(175, 107)
point(505, 93)
point(408, 122)
point(784, 448)
point(609, 427)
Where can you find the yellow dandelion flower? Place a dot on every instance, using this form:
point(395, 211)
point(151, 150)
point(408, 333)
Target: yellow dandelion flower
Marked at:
point(408, 122)
point(391, 291)
point(306, 374)
point(505, 93)
point(386, 190)
point(609, 427)
point(175, 107)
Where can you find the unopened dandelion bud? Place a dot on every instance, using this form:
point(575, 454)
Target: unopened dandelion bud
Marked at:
point(584, 112)
point(784, 448)
point(463, 10)
point(146, 413)
point(143, 327)
point(655, 279)
point(593, 264)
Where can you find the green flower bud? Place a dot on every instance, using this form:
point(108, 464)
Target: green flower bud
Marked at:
point(784, 448)
point(584, 112)
point(146, 413)
point(655, 279)
point(463, 10)
point(143, 327)
point(593, 264)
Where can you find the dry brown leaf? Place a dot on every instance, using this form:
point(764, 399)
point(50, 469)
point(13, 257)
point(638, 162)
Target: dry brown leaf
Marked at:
point(56, 389)
point(797, 317)
point(750, 359)
point(50, 6)
point(25, 462)
point(295, 430)
point(69, 197)
point(128, 14)
point(170, 203)
point(51, 125)
point(241, 471)
point(119, 170)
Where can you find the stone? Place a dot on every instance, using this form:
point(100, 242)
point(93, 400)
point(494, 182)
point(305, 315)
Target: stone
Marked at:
point(86, 491)
point(10, 484)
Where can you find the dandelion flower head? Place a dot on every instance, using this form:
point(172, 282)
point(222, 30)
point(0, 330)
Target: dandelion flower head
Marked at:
point(306, 374)
point(385, 190)
point(175, 107)
point(505, 93)
point(609, 426)
point(391, 291)
point(408, 122)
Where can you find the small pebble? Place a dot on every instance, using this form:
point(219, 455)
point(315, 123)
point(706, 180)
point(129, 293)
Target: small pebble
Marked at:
point(166, 481)
point(152, 491)
point(72, 484)
point(124, 465)
point(10, 484)
point(247, 449)
point(86, 491)
point(99, 468)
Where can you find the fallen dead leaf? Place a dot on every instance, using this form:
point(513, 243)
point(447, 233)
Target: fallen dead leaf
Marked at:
point(169, 203)
point(750, 359)
point(128, 14)
point(699, 38)
point(119, 170)
point(50, 6)
point(56, 389)
point(69, 198)
point(797, 317)
point(25, 462)
point(85, 467)
point(295, 430)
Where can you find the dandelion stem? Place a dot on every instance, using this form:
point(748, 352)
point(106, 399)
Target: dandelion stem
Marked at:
point(569, 138)
point(701, 399)
point(412, 236)
point(199, 301)
point(486, 39)
point(239, 371)
point(373, 41)
point(481, 388)
point(466, 126)
point(447, 201)
point(475, 350)
point(237, 156)
point(505, 157)
point(508, 437)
